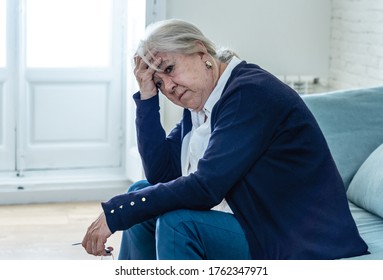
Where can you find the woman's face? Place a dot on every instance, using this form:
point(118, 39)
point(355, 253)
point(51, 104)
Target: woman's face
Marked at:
point(185, 79)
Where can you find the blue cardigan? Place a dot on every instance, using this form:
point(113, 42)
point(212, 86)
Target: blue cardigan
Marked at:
point(267, 156)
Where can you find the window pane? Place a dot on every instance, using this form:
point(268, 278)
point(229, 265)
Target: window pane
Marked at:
point(68, 33)
point(2, 32)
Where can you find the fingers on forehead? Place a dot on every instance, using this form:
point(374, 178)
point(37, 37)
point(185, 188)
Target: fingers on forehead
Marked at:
point(148, 59)
point(146, 56)
point(151, 53)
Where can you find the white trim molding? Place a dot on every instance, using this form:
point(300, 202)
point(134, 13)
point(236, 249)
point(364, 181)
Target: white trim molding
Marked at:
point(155, 11)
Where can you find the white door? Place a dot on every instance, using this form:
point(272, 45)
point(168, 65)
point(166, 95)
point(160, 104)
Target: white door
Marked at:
point(7, 128)
point(7, 118)
point(66, 124)
point(63, 111)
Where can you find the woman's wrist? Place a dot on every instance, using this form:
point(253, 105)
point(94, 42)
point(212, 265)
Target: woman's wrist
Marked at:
point(145, 96)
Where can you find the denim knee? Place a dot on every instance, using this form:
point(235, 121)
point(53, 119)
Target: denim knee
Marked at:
point(173, 219)
point(138, 185)
point(177, 237)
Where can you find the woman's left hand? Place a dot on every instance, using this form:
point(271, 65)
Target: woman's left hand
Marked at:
point(96, 237)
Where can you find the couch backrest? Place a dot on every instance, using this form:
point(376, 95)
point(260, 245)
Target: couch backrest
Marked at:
point(352, 122)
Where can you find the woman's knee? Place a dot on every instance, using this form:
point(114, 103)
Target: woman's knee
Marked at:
point(138, 185)
point(172, 220)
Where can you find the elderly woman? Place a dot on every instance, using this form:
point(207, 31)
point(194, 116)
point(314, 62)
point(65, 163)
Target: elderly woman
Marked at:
point(246, 174)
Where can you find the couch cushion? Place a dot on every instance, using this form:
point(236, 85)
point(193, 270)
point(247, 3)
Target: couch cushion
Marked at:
point(370, 228)
point(351, 122)
point(366, 188)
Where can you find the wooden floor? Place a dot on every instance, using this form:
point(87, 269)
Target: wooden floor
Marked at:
point(46, 231)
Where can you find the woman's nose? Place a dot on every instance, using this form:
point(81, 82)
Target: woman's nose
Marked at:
point(169, 85)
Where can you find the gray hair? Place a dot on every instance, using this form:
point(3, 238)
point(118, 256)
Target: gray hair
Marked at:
point(178, 36)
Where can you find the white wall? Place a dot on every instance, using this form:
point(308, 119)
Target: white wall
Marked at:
point(356, 57)
point(284, 37)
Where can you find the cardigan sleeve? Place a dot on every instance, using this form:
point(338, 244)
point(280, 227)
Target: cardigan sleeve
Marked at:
point(160, 155)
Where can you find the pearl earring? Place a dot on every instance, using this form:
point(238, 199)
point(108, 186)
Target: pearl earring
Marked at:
point(208, 64)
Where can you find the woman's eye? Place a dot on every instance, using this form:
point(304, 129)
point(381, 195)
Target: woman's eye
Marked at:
point(169, 69)
point(158, 84)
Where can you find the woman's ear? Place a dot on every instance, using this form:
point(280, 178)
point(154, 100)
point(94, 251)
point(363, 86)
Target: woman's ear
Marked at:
point(201, 47)
point(202, 51)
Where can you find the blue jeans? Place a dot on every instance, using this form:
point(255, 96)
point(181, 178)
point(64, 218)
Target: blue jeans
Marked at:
point(185, 235)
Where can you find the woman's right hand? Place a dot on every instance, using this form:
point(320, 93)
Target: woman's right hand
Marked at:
point(144, 76)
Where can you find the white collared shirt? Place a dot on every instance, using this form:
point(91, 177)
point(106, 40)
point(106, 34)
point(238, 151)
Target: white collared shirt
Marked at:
point(196, 141)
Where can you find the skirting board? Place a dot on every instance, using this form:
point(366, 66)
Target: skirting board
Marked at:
point(69, 191)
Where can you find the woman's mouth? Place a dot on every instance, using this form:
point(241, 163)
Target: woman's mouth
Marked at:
point(181, 95)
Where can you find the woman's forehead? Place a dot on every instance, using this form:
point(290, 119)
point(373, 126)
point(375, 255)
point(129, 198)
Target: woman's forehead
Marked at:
point(167, 55)
point(167, 58)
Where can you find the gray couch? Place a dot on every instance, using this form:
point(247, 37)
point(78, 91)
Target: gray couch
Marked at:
point(352, 122)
